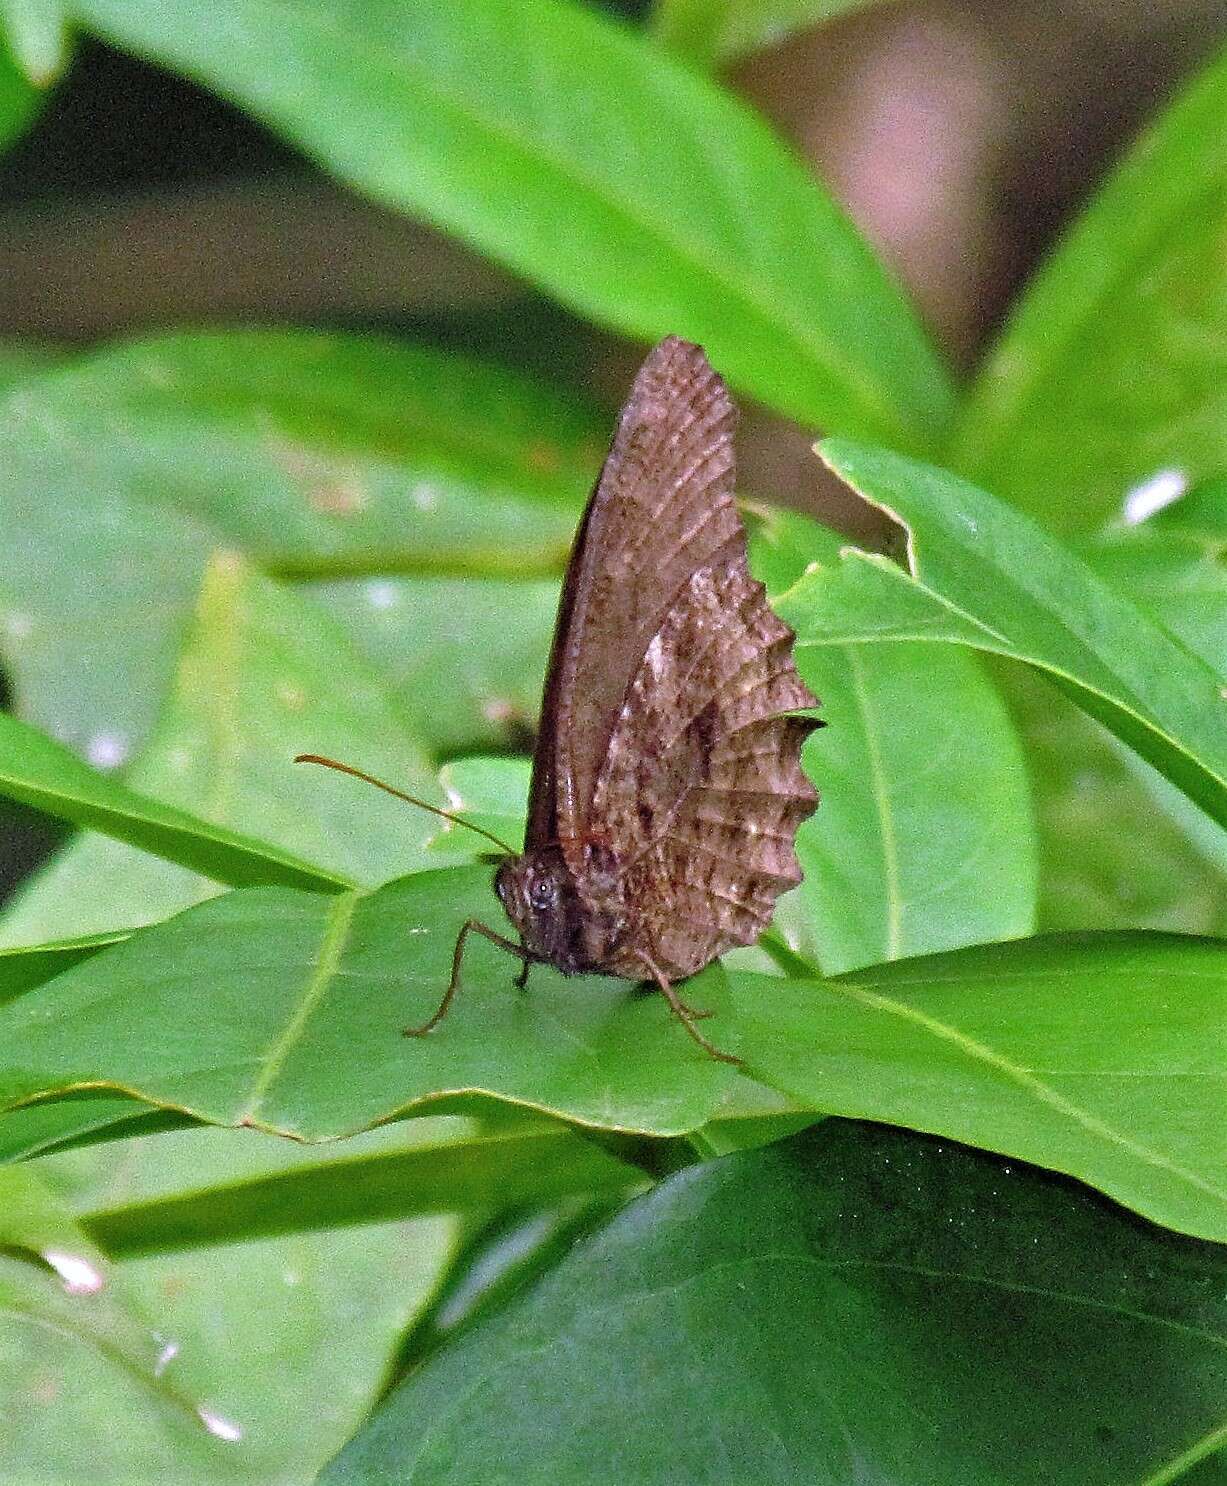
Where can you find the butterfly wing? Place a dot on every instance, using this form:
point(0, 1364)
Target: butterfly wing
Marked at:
point(662, 510)
point(662, 735)
point(702, 784)
point(698, 781)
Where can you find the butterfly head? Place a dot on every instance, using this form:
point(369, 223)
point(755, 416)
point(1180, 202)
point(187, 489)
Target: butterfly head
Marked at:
point(543, 900)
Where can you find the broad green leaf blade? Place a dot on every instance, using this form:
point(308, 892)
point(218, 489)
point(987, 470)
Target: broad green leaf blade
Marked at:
point(464, 657)
point(23, 969)
point(855, 1305)
point(1112, 367)
point(83, 1320)
point(263, 676)
point(473, 1173)
point(19, 99)
point(314, 453)
point(288, 1339)
point(924, 839)
point(983, 575)
point(1108, 858)
point(81, 1118)
point(44, 774)
point(37, 34)
point(488, 792)
point(284, 1011)
point(22, 359)
point(333, 454)
point(1099, 1055)
point(601, 183)
point(705, 32)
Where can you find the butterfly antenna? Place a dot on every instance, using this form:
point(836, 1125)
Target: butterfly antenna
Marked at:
point(456, 820)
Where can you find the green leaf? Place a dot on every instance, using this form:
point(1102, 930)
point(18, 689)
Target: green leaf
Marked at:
point(703, 32)
point(598, 182)
point(473, 1172)
point(331, 454)
point(21, 359)
point(464, 657)
point(924, 839)
point(37, 33)
point(1108, 858)
point(263, 676)
point(19, 99)
point(981, 575)
point(82, 1117)
point(172, 1015)
point(1175, 574)
point(1178, 576)
point(1097, 1055)
point(1200, 514)
point(1112, 366)
point(44, 774)
point(314, 453)
point(55, 1331)
point(964, 1044)
point(33, 1219)
point(491, 793)
point(288, 1339)
point(854, 1305)
point(23, 969)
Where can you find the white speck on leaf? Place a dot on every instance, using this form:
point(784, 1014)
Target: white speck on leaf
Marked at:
point(223, 1428)
point(80, 1276)
point(1153, 494)
point(381, 595)
point(106, 750)
point(165, 1357)
point(16, 626)
point(425, 497)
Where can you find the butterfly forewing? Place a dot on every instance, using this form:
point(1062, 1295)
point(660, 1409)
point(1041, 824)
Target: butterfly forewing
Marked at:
point(662, 510)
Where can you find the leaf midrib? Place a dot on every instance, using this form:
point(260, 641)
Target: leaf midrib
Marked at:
point(332, 946)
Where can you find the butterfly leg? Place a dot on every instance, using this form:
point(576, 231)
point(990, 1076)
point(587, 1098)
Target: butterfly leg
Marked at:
point(686, 1015)
point(470, 926)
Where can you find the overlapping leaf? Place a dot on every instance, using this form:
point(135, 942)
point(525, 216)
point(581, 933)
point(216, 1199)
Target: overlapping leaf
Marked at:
point(1098, 1057)
point(285, 1340)
point(981, 575)
point(263, 676)
point(924, 837)
point(1112, 365)
point(464, 658)
point(316, 453)
point(599, 182)
point(42, 773)
point(319, 1053)
point(853, 1305)
point(76, 1319)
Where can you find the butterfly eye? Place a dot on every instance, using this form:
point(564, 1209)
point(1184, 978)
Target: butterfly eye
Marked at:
point(543, 893)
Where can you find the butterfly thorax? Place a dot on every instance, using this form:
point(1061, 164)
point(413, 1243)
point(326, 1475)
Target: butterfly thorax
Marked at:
point(568, 906)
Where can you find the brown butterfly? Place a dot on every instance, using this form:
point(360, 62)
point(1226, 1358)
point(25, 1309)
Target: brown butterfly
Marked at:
point(666, 785)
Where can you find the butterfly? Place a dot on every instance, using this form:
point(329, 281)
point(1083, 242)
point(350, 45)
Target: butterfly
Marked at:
point(667, 787)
